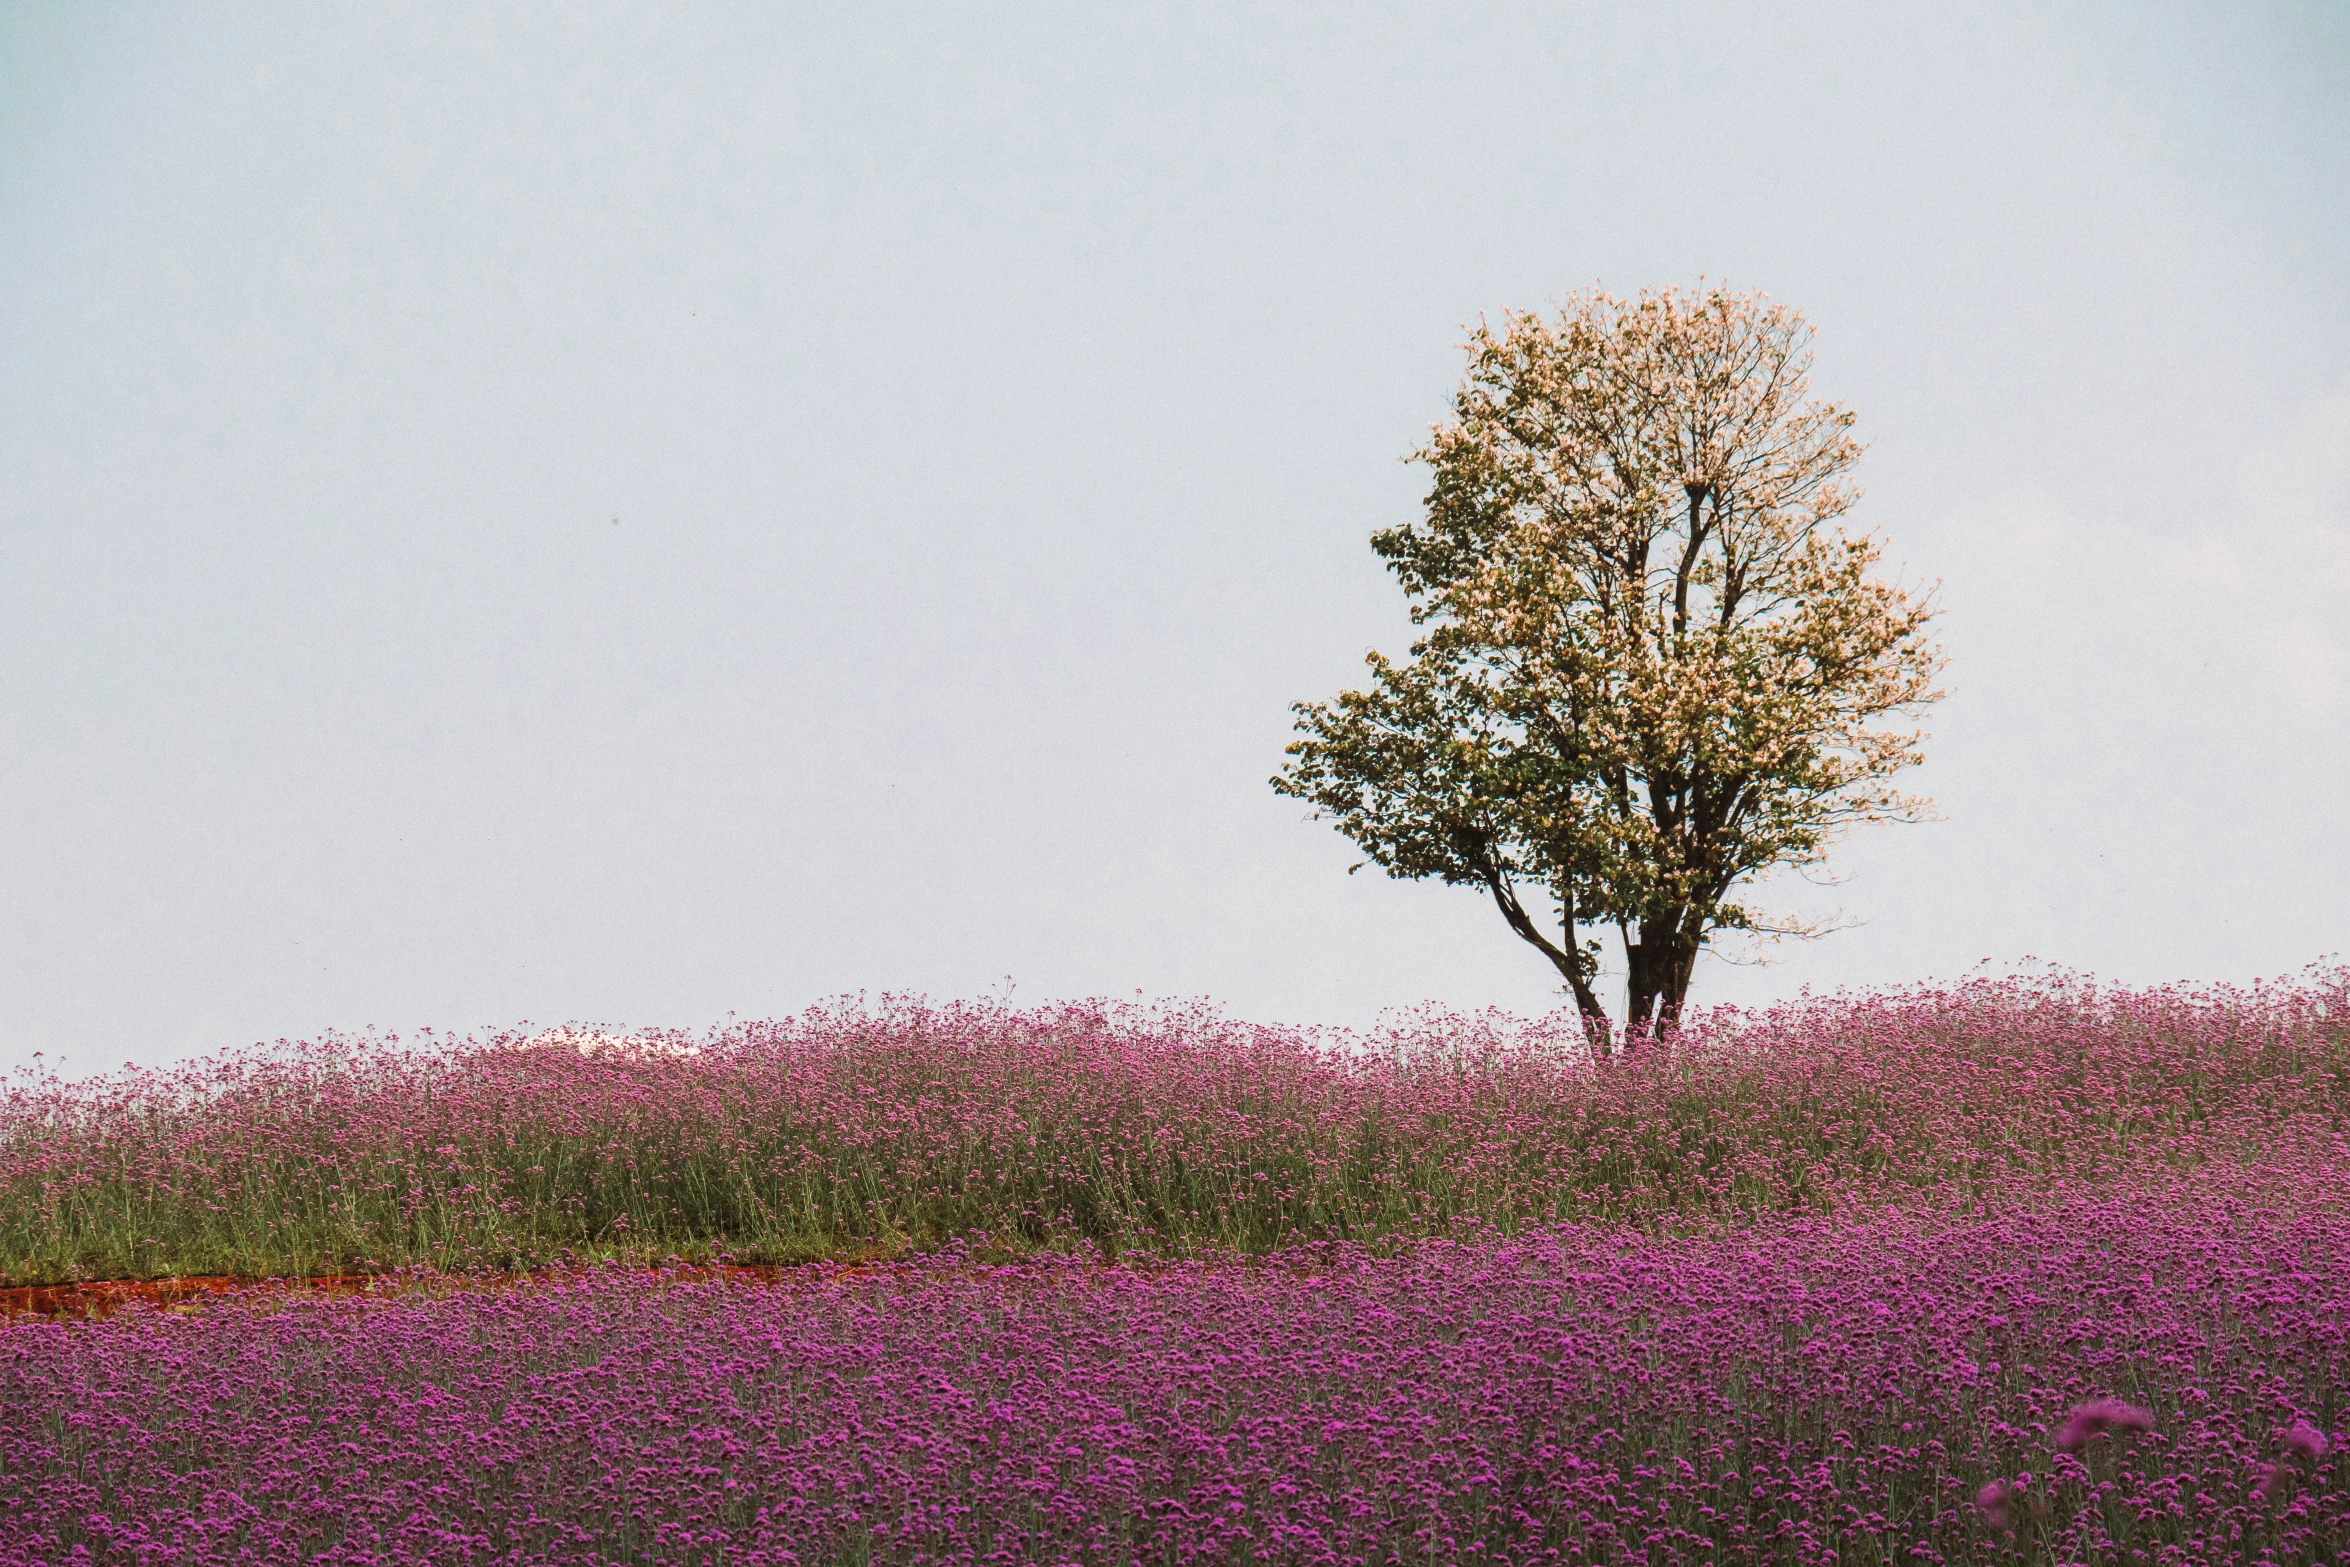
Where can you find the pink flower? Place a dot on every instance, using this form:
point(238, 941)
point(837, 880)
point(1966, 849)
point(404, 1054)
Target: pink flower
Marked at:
point(2097, 1417)
point(2304, 1440)
point(1991, 1501)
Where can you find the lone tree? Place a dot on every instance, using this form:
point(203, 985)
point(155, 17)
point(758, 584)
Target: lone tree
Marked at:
point(1655, 665)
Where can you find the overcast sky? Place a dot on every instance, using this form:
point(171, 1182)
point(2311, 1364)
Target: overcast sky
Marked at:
point(631, 515)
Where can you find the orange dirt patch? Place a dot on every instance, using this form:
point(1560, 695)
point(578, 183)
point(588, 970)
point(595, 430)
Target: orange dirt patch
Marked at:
point(104, 1297)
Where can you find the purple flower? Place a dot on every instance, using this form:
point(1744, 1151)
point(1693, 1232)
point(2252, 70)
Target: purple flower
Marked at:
point(1991, 1501)
point(2304, 1440)
point(2096, 1418)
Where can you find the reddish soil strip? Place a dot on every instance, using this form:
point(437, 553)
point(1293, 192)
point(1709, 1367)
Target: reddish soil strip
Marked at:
point(102, 1298)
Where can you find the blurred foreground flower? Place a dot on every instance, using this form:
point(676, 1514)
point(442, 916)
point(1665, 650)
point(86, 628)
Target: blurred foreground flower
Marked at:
point(2096, 1418)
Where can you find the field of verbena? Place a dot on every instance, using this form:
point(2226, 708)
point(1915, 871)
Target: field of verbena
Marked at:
point(861, 1133)
point(2011, 1273)
point(1811, 1391)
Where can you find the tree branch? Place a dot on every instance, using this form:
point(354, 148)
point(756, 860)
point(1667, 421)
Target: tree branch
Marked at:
point(1505, 898)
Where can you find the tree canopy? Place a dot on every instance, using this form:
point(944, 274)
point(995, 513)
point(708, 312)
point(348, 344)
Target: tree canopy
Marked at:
point(1655, 663)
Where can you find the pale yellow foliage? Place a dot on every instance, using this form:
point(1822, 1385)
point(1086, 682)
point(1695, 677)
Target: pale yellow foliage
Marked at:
point(1664, 662)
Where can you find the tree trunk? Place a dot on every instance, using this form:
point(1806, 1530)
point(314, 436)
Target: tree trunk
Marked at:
point(1640, 988)
point(1656, 983)
point(1681, 965)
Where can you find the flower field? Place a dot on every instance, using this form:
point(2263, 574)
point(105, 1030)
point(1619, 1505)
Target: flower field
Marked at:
point(1810, 1392)
point(860, 1132)
point(2033, 1273)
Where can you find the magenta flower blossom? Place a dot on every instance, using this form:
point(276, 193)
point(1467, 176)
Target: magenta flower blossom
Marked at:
point(2096, 1418)
point(2304, 1440)
point(2300, 1440)
point(1991, 1501)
